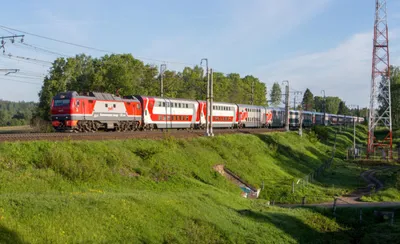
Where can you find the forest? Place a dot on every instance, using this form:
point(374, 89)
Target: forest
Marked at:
point(16, 113)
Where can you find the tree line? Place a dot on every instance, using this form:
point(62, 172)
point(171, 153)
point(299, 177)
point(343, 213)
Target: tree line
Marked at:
point(16, 113)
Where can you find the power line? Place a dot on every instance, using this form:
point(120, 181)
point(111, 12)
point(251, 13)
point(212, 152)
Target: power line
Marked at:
point(26, 82)
point(26, 61)
point(30, 59)
point(93, 48)
point(27, 76)
point(12, 33)
point(56, 40)
point(42, 49)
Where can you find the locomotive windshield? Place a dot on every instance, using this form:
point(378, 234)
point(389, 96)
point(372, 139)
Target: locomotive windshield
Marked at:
point(61, 102)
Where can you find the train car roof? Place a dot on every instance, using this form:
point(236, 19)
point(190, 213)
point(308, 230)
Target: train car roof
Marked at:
point(223, 103)
point(250, 106)
point(166, 98)
point(275, 108)
point(91, 95)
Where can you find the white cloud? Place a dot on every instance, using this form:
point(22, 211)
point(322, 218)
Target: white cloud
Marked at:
point(343, 71)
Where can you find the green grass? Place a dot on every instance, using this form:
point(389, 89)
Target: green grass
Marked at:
point(371, 228)
point(166, 190)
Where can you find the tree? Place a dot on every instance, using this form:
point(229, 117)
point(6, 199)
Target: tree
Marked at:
point(308, 100)
point(343, 109)
point(276, 94)
point(332, 105)
point(319, 104)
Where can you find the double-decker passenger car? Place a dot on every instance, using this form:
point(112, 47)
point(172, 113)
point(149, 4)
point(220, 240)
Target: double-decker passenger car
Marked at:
point(251, 116)
point(276, 117)
point(160, 113)
point(224, 115)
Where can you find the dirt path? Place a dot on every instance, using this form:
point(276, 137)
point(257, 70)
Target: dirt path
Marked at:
point(353, 199)
point(248, 190)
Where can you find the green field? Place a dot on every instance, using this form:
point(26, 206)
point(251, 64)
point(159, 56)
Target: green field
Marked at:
point(166, 191)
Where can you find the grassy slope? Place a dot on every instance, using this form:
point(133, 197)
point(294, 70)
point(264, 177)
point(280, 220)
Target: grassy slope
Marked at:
point(156, 191)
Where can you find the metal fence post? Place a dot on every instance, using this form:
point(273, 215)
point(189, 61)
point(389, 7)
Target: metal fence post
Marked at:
point(293, 187)
point(334, 206)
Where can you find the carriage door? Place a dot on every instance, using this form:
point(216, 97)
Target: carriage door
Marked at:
point(78, 109)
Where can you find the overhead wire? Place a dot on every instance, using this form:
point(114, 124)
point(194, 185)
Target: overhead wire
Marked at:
point(36, 48)
point(7, 31)
point(26, 82)
point(16, 75)
point(93, 48)
point(27, 60)
point(56, 40)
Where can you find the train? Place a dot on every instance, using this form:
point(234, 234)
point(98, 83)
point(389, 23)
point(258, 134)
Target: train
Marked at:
point(93, 111)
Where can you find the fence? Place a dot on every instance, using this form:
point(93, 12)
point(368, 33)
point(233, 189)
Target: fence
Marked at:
point(380, 154)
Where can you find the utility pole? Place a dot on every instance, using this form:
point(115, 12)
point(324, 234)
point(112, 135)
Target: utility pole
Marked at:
point(12, 38)
point(163, 67)
point(286, 105)
point(301, 119)
point(380, 114)
point(324, 106)
point(252, 92)
point(295, 97)
point(211, 102)
point(354, 131)
point(207, 97)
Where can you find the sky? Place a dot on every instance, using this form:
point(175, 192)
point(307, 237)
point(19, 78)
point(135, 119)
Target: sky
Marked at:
point(315, 44)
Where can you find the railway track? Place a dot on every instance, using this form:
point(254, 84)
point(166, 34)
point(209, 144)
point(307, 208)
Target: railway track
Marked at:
point(125, 135)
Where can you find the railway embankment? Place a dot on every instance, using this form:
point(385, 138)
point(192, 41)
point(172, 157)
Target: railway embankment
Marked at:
point(140, 190)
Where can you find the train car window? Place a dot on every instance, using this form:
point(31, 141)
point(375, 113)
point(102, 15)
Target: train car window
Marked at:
point(163, 104)
point(77, 103)
point(159, 104)
point(187, 118)
point(106, 105)
point(138, 106)
point(165, 118)
point(168, 118)
point(114, 105)
point(179, 105)
point(160, 117)
point(145, 112)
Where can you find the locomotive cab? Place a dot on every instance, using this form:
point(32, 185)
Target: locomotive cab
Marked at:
point(62, 106)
